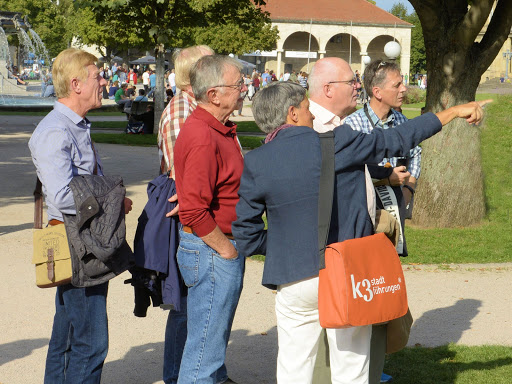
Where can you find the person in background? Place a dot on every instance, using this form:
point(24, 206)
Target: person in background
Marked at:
point(112, 90)
point(141, 96)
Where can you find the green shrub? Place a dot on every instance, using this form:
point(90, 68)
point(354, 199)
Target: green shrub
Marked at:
point(415, 95)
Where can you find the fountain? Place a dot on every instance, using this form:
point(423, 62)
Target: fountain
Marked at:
point(31, 50)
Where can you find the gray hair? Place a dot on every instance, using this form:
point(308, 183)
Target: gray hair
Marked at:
point(209, 72)
point(376, 72)
point(270, 105)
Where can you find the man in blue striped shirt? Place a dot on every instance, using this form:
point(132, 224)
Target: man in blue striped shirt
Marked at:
point(61, 148)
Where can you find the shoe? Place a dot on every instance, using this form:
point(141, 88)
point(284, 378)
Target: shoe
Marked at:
point(229, 381)
point(385, 378)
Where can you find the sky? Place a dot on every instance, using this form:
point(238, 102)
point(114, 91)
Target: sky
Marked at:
point(387, 4)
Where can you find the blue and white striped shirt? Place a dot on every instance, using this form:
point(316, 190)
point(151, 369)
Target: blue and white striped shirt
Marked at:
point(359, 122)
point(61, 148)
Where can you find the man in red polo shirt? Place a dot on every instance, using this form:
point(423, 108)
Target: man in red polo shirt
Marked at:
point(209, 163)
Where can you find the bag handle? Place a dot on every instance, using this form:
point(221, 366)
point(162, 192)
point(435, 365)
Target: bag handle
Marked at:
point(38, 207)
point(326, 192)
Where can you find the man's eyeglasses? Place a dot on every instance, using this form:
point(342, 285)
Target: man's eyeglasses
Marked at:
point(353, 83)
point(239, 85)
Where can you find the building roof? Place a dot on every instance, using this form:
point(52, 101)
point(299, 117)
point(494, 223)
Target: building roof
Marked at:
point(331, 11)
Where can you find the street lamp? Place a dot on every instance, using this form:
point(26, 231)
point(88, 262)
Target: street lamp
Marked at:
point(392, 50)
point(507, 55)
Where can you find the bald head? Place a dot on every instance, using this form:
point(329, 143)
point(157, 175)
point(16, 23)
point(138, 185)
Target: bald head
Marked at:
point(329, 86)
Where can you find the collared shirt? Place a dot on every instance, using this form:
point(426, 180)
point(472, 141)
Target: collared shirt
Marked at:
point(173, 118)
point(359, 122)
point(209, 164)
point(326, 121)
point(61, 148)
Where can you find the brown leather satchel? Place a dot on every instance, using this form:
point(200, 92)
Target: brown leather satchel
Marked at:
point(51, 248)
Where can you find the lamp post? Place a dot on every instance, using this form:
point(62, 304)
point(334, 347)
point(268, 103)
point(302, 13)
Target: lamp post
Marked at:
point(507, 55)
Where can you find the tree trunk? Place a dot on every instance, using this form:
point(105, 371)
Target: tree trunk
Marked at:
point(450, 191)
point(159, 96)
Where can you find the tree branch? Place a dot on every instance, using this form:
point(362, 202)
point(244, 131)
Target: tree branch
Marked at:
point(497, 32)
point(473, 22)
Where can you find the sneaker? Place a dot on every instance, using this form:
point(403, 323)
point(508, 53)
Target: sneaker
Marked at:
point(385, 378)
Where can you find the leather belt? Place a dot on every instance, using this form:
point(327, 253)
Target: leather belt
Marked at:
point(53, 222)
point(189, 230)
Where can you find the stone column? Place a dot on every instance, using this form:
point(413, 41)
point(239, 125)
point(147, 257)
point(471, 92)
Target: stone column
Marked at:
point(321, 54)
point(279, 53)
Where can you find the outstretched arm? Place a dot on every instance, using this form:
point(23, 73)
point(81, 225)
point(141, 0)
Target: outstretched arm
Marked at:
point(472, 112)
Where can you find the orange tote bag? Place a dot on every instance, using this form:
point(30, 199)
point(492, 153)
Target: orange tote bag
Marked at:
point(361, 280)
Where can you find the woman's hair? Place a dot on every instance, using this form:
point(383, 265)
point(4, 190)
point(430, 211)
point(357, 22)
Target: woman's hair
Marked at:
point(70, 63)
point(271, 104)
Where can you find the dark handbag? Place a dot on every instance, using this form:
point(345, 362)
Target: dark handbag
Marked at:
point(398, 332)
point(361, 280)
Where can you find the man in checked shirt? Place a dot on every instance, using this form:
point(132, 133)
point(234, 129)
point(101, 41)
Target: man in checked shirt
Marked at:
point(173, 118)
point(383, 83)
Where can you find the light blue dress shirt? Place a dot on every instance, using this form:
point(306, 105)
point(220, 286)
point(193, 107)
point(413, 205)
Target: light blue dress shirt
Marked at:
point(61, 148)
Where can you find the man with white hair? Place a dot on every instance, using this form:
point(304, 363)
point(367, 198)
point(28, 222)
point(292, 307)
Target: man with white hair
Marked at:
point(208, 164)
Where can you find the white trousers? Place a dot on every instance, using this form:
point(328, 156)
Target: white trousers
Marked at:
point(299, 331)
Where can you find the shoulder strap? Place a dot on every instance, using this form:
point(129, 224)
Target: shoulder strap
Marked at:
point(326, 192)
point(38, 207)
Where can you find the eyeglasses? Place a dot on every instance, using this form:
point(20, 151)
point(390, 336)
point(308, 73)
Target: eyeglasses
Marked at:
point(239, 85)
point(353, 83)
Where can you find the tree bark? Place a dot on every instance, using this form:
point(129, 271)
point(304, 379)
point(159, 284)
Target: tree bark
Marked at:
point(450, 191)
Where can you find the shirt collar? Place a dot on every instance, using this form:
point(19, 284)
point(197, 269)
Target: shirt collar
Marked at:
point(325, 116)
point(209, 119)
point(377, 121)
point(71, 115)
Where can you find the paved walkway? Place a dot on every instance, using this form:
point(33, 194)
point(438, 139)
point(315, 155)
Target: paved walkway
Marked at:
point(466, 304)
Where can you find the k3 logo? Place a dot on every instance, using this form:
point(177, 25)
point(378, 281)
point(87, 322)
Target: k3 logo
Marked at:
point(365, 284)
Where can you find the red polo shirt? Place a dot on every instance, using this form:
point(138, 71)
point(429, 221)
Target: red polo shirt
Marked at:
point(208, 163)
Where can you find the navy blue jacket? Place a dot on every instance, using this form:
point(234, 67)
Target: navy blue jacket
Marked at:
point(157, 238)
point(282, 178)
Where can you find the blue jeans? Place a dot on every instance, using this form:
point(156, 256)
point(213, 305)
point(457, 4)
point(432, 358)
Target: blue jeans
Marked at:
point(79, 343)
point(214, 287)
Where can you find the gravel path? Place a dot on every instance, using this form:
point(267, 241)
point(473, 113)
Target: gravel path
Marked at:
point(464, 304)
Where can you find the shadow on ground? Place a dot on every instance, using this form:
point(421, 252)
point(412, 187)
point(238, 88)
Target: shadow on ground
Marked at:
point(19, 349)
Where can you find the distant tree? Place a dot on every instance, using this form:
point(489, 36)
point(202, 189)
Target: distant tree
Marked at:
point(450, 192)
point(418, 54)
point(399, 10)
point(372, 1)
point(228, 26)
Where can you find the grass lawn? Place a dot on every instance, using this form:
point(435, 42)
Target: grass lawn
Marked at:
point(451, 364)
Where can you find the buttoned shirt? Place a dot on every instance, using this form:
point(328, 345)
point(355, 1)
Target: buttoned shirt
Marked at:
point(173, 118)
point(61, 148)
point(359, 122)
point(326, 121)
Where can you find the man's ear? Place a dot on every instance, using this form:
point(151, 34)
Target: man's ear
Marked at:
point(212, 95)
point(376, 93)
point(76, 85)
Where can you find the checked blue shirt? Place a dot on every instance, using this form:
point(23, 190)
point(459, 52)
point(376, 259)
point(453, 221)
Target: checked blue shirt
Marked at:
point(359, 122)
